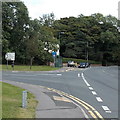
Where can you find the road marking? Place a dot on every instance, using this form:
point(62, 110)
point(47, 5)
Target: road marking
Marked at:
point(15, 71)
point(18, 75)
point(94, 93)
point(57, 98)
point(84, 104)
point(86, 116)
point(59, 74)
point(79, 101)
point(78, 74)
point(108, 111)
point(90, 88)
point(94, 116)
point(105, 108)
point(85, 80)
point(99, 99)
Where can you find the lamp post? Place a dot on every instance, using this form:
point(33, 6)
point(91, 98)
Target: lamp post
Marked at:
point(87, 52)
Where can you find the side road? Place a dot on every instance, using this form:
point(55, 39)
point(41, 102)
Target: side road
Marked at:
point(51, 104)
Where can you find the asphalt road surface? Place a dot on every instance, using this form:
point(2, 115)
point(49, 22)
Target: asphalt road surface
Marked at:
point(98, 86)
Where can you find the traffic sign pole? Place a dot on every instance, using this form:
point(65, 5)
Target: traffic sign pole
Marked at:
point(7, 64)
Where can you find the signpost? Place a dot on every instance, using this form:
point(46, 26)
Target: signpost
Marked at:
point(54, 55)
point(10, 57)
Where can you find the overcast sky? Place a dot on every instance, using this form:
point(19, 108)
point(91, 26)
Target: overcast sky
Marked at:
point(67, 8)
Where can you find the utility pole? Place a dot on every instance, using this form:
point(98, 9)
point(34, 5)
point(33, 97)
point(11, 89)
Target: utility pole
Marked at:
point(87, 52)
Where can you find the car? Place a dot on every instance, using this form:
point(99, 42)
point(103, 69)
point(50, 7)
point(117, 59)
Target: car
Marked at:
point(84, 65)
point(71, 64)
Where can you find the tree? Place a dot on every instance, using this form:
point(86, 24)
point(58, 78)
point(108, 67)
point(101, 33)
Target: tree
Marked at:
point(98, 31)
point(14, 25)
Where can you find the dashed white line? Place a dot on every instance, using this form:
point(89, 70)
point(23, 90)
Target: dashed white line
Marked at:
point(59, 74)
point(78, 74)
point(99, 99)
point(105, 108)
point(90, 88)
point(94, 93)
point(108, 111)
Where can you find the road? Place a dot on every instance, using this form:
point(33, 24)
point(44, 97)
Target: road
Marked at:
point(98, 86)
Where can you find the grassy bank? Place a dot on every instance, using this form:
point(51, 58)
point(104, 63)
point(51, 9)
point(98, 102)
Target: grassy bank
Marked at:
point(12, 102)
point(27, 68)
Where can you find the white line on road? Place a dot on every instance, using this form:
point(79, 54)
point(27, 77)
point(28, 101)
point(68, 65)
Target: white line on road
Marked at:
point(85, 80)
point(59, 74)
point(99, 99)
point(107, 110)
point(94, 93)
point(86, 116)
point(34, 75)
point(90, 88)
point(78, 74)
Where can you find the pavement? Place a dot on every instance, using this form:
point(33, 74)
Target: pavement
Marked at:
point(51, 104)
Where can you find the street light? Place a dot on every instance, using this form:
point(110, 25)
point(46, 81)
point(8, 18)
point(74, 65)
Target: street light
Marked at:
point(87, 52)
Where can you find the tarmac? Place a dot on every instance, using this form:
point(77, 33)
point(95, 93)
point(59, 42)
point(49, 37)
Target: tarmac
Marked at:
point(52, 104)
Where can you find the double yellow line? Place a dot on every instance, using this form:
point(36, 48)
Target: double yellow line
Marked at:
point(92, 111)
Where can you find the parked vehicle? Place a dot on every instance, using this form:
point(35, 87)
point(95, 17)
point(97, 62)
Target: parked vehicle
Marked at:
point(71, 64)
point(84, 65)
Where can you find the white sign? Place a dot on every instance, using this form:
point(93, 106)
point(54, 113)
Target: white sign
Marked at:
point(10, 56)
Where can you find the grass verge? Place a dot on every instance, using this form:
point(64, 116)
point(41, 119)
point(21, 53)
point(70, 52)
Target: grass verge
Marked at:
point(12, 103)
point(27, 68)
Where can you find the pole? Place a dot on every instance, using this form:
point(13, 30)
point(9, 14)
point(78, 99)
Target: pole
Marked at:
point(13, 64)
point(54, 61)
point(87, 52)
point(24, 99)
point(7, 64)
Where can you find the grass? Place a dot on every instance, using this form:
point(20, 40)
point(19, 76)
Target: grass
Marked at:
point(12, 103)
point(27, 68)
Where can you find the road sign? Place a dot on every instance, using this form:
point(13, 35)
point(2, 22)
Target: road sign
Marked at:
point(10, 56)
point(54, 54)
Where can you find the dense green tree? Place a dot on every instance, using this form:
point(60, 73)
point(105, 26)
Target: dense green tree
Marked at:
point(95, 34)
point(14, 25)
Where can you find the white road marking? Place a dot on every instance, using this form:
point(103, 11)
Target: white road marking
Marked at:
point(105, 108)
point(78, 74)
point(59, 74)
point(99, 99)
point(90, 88)
point(34, 74)
point(14, 71)
point(94, 93)
point(86, 116)
point(108, 111)
point(85, 80)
